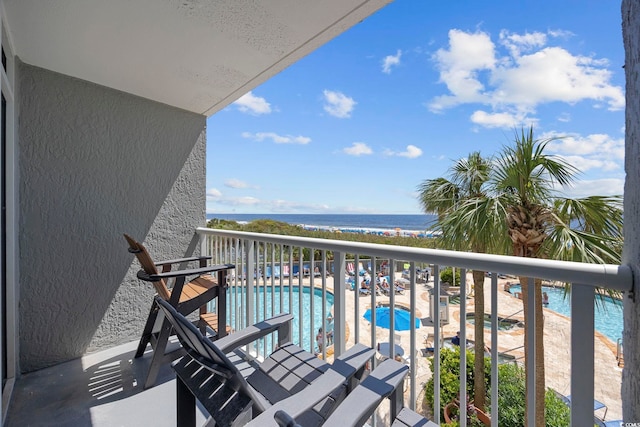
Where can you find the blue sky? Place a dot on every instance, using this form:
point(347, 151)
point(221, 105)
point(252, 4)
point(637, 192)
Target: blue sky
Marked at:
point(358, 124)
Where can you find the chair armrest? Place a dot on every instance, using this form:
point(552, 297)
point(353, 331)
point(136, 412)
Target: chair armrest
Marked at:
point(181, 260)
point(341, 370)
point(280, 323)
point(409, 418)
point(362, 402)
point(142, 275)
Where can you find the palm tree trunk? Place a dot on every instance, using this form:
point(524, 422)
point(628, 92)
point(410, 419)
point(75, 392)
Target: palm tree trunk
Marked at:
point(539, 350)
point(479, 391)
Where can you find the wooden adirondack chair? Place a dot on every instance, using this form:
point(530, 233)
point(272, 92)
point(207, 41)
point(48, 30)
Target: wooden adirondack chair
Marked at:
point(185, 296)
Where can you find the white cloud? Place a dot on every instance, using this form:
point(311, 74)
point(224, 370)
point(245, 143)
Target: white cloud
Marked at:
point(459, 66)
point(235, 183)
point(599, 187)
point(553, 74)
point(564, 34)
point(358, 149)
point(592, 152)
point(595, 144)
point(278, 139)
point(391, 61)
point(411, 152)
point(564, 117)
point(213, 193)
point(263, 205)
point(527, 74)
point(243, 201)
point(503, 120)
point(249, 103)
point(338, 104)
point(517, 43)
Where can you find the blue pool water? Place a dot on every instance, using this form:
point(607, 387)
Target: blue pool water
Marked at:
point(271, 303)
point(608, 312)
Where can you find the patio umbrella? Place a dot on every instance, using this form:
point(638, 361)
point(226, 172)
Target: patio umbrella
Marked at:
point(401, 320)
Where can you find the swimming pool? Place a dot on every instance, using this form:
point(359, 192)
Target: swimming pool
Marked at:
point(608, 312)
point(271, 299)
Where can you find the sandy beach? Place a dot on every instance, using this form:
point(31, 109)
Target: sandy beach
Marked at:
point(607, 374)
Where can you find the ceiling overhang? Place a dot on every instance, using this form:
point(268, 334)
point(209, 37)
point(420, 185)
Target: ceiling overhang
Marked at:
point(197, 55)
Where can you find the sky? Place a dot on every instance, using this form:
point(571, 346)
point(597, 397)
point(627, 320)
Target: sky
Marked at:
point(357, 125)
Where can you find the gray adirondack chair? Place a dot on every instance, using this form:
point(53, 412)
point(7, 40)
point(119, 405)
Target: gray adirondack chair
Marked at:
point(234, 388)
point(385, 381)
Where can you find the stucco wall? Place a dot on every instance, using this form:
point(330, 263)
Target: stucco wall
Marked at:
point(631, 256)
point(96, 163)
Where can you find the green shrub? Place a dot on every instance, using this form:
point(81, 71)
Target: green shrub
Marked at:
point(446, 275)
point(450, 378)
point(512, 397)
point(557, 413)
point(511, 391)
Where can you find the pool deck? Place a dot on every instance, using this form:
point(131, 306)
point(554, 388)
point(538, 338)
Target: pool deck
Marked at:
point(607, 374)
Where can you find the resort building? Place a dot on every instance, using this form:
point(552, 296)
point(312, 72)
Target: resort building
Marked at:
point(103, 115)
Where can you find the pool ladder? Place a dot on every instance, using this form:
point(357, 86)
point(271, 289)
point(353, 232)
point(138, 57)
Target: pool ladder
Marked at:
point(508, 317)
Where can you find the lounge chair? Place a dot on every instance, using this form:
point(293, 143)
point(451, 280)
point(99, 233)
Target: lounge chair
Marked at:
point(364, 291)
point(385, 381)
point(185, 296)
point(234, 388)
point(597, 405)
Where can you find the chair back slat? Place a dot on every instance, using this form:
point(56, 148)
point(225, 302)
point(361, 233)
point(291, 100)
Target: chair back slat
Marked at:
point(191, 337)
point(148, 265)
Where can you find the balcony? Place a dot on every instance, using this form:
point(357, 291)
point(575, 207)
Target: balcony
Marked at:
point(104, 388)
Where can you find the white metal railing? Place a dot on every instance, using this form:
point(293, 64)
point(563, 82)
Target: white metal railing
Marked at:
point(270, 260)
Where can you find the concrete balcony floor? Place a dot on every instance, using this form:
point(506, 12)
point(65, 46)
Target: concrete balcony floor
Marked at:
point(102, 389)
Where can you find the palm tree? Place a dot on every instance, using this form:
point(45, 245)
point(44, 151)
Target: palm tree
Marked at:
point(468, 178)
point(519, 211)
point(542, 225)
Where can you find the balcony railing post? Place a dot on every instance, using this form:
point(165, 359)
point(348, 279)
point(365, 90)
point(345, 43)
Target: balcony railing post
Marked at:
point(435, 317)
point(494, 348)
point(250, 262)
point(412, 338)
point(530, 326)
point(582, 359)
point(463, 340)
point(339, 309)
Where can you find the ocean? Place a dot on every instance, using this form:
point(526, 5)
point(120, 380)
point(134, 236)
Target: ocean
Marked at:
point(416, 223)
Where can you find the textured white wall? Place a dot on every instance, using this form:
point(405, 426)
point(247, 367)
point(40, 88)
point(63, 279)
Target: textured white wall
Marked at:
point(631, 336)
point(96, 163)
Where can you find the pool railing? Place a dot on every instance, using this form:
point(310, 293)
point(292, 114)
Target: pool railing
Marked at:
point(253, 252)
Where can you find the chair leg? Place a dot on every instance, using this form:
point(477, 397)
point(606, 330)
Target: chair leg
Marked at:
point(222, 308)
point(202, 326)
point(185, 405)
point(148, 330)
point(158, 354)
